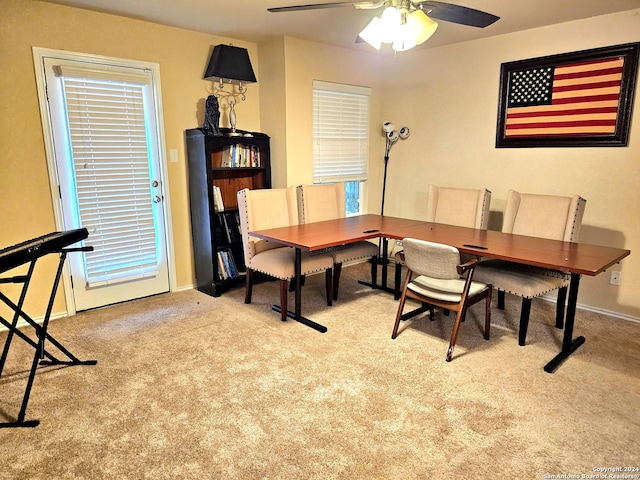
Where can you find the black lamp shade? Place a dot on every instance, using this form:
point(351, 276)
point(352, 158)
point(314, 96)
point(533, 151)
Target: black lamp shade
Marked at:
point(230, 63)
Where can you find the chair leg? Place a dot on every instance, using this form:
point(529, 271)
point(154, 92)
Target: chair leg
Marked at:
point(337, 269)
point(397, 280)
point(403, 299)
point(283, 299)
point(328, 280)
point(248, 286)
point(487, 315)
point(524, 321)
point(562, 299)
point(454, 334)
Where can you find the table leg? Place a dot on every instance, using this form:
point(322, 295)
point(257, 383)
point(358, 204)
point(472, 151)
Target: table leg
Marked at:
point(297, 314)
point(384, 261)
point(569, 344)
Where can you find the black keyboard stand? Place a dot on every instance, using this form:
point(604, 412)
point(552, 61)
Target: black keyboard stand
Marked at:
point(41, 356)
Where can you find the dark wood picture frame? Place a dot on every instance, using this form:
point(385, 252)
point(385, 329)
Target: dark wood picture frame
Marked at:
point(514, 90)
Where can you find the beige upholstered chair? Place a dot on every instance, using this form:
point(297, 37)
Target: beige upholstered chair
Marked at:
point(273, 208)
point(317, 203)
point(434, 278)
point(464, 207)
point(544, 216)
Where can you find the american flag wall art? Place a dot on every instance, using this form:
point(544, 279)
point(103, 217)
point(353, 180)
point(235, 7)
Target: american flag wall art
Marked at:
point(569, 100)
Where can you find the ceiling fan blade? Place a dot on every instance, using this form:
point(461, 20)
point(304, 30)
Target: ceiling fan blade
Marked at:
point(456, 13)
point(311, 6)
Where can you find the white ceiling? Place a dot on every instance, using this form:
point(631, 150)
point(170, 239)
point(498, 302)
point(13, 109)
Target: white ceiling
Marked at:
point(249, 20)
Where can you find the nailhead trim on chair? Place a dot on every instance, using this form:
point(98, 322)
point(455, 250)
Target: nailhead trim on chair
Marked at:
point(484, 202)
point(575, 214)
point(303, 219)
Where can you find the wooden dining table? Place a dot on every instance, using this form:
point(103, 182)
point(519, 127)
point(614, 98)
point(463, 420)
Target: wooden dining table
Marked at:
point(575, 258)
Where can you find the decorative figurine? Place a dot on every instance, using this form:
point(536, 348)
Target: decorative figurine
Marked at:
point(212, 116)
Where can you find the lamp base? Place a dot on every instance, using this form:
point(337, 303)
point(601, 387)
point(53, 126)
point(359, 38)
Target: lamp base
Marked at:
point(233, 133)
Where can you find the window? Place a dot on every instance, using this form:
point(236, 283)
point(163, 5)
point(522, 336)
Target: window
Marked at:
point(341, 138)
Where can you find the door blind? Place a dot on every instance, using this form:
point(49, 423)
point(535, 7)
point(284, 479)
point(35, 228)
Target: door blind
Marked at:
point(340, 132)
point(108, 138)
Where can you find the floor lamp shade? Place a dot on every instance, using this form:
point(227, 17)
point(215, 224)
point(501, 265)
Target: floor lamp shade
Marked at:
point(229, 63)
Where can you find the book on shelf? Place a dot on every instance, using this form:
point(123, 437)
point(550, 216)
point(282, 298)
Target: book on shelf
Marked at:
point(218, 204)
point(227, 265)
point(232, 226)
point(238, 156)
point(227, 230)
point(233, 271)
point(221, 269)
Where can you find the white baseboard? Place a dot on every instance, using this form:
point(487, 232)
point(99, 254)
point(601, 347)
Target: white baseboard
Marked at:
point(611, 313)
point(23, 323)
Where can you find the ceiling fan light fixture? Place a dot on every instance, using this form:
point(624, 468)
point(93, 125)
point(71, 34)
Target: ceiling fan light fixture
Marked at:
point(372, 33)
point(421, 25)
point(390, 20)
point(402, 29)
point(405, 38)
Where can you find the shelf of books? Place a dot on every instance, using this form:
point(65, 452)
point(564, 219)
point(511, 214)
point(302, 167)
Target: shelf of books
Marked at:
point(237, 156)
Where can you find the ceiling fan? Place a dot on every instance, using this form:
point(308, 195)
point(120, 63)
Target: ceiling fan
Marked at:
point(404, 23)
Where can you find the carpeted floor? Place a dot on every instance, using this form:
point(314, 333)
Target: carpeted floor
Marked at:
point(193, 387)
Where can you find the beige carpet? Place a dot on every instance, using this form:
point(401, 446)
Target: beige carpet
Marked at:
point(193, 387)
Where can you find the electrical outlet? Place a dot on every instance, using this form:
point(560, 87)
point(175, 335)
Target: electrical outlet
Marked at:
point(615, 277)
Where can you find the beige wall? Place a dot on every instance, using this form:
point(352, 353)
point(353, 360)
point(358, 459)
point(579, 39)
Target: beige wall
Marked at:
point(272, 106)
point(302, 62)
point(24, 186)
point(447, 96)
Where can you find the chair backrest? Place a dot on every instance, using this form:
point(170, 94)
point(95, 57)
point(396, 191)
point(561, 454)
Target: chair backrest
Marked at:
point(464, 207)
point(262, 209)
point(431, 259)
point(317, 203)
point(545, 216)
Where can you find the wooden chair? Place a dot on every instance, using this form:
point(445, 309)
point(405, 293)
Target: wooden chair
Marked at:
point(546, 216)
point(464, 207)
point(317, 203)
point(434, 278)
point(273, 208)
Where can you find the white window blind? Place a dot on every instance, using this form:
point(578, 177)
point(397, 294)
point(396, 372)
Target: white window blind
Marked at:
point(108, 137)
point(340, 132)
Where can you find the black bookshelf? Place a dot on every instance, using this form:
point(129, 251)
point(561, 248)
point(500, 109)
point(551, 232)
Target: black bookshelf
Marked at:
point(218, 168)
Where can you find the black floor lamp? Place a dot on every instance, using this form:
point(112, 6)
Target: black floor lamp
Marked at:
point(392, 137)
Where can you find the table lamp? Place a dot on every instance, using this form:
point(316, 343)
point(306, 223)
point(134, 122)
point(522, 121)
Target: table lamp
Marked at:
point(230, 65)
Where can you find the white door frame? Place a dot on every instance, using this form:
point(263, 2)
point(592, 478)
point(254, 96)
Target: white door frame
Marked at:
point(38, 56)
